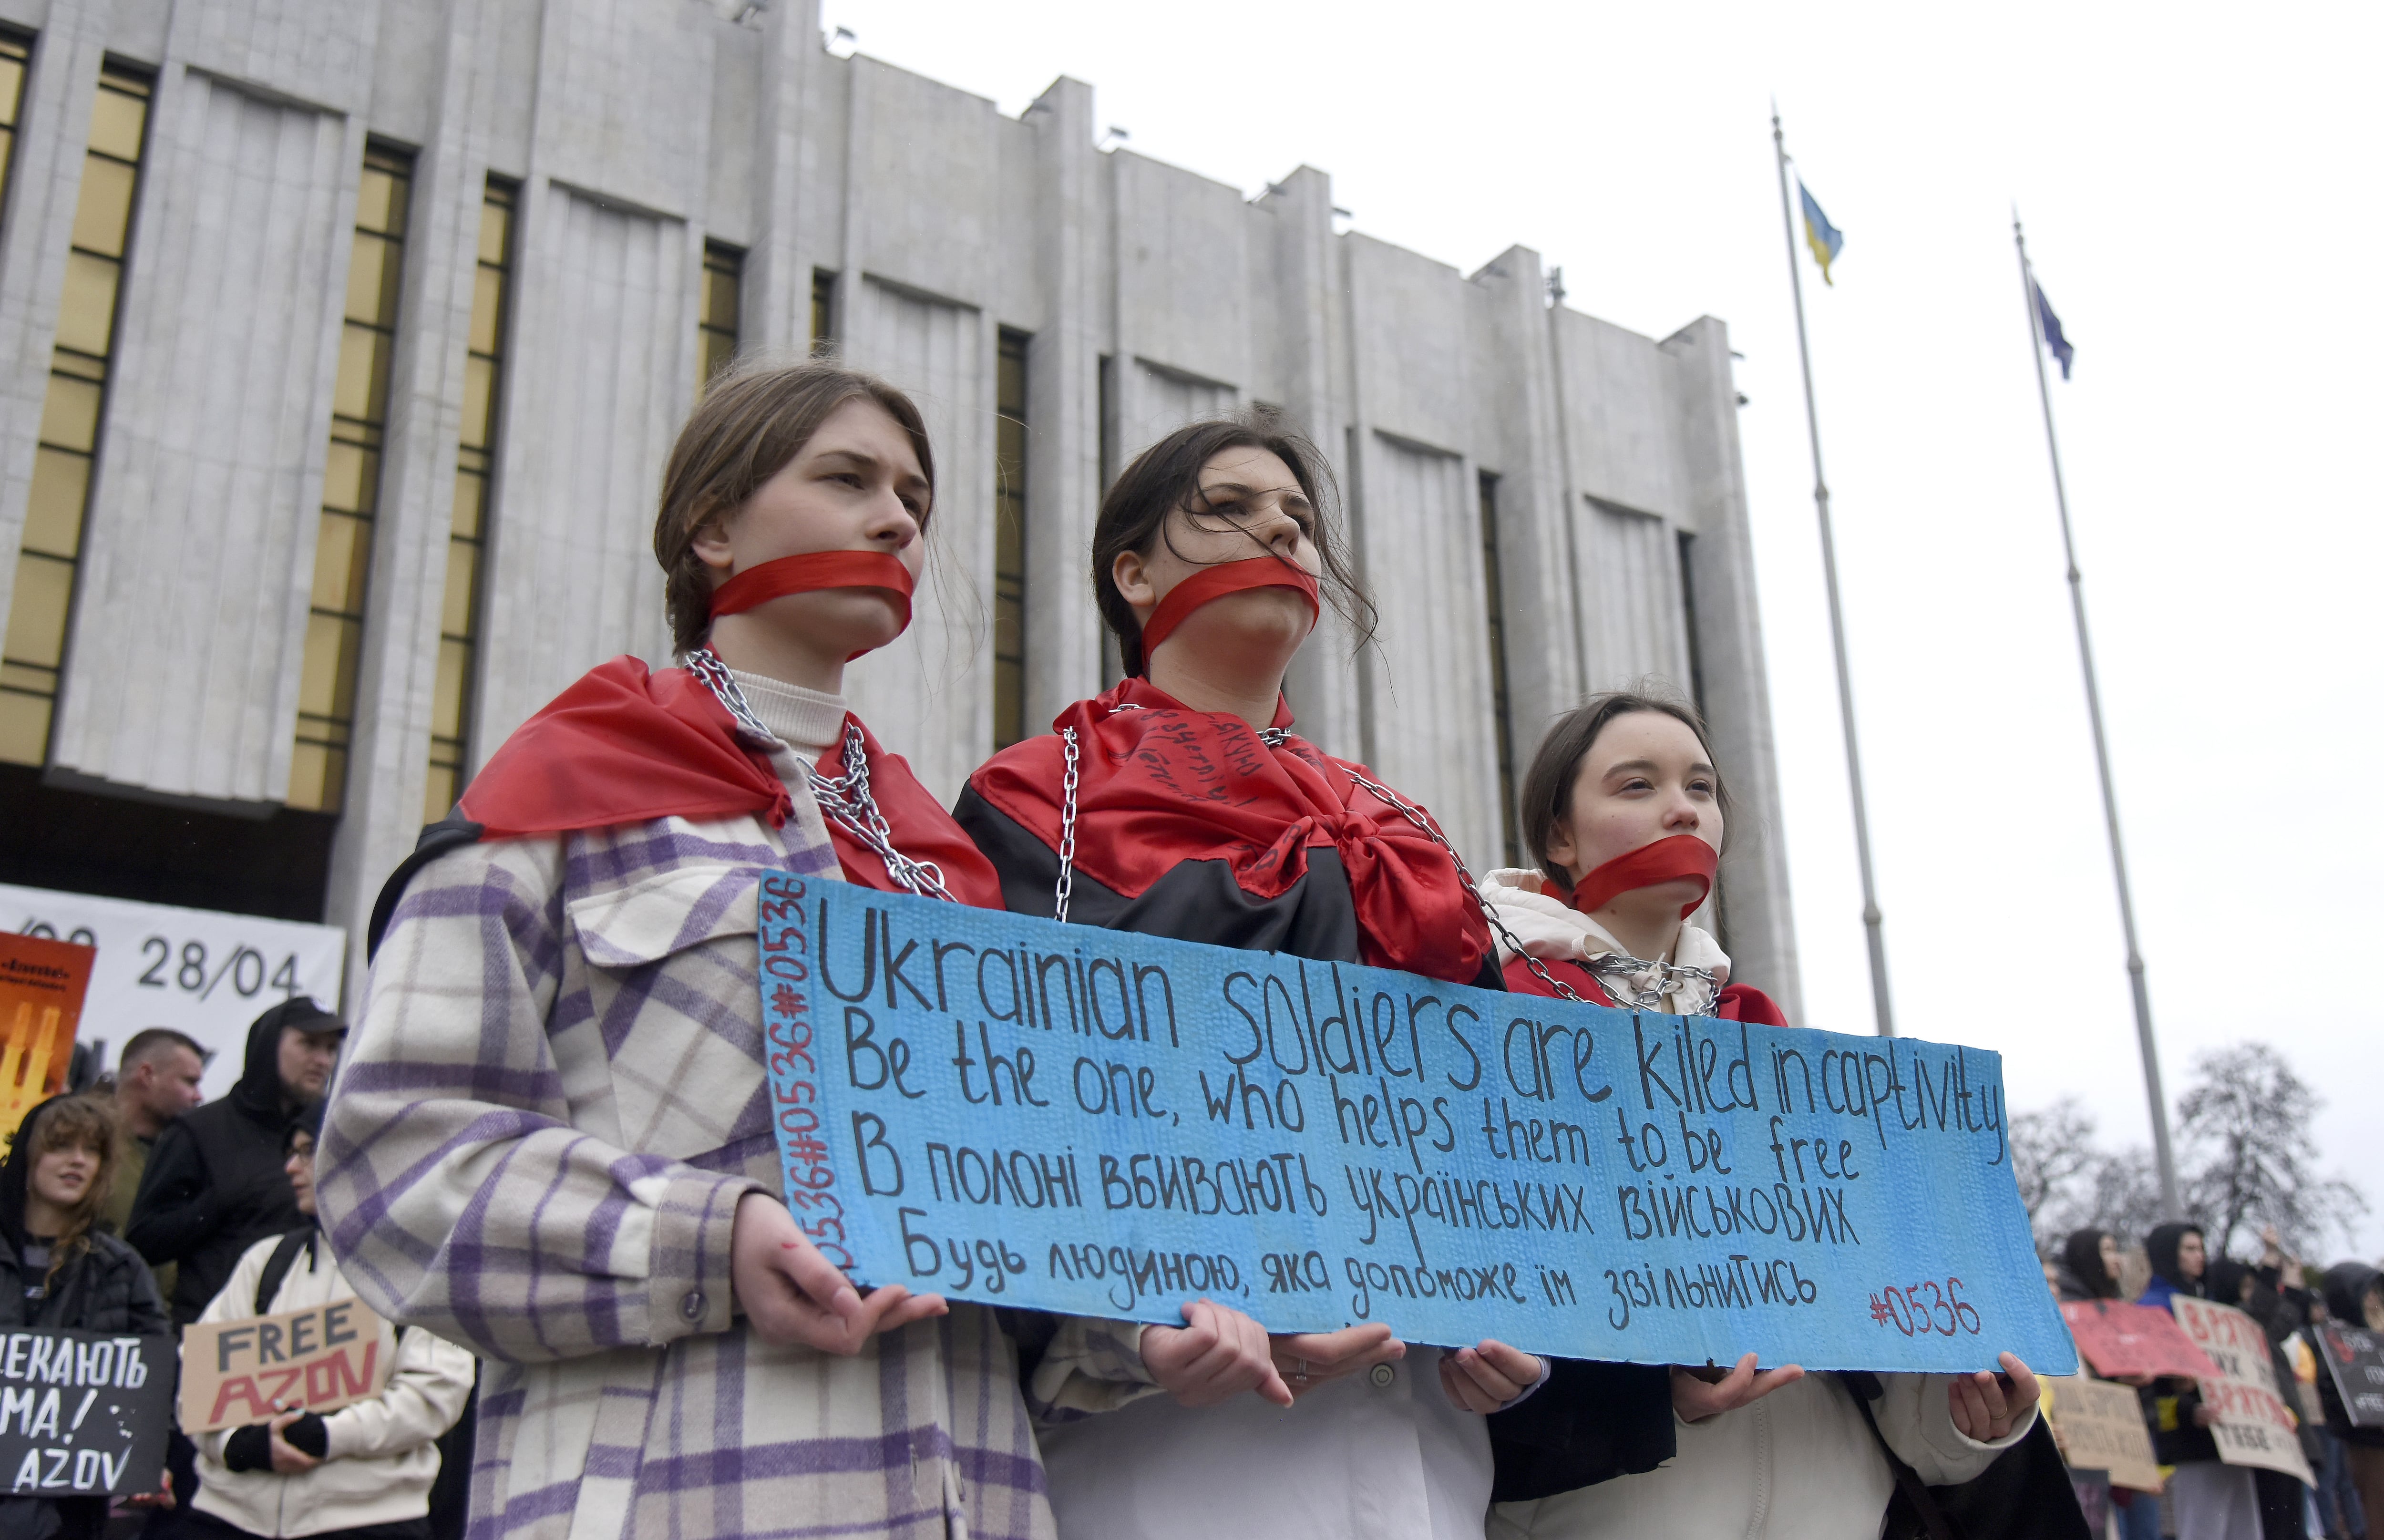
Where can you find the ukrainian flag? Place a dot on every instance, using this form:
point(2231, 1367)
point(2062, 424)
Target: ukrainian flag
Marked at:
point(1819, 234)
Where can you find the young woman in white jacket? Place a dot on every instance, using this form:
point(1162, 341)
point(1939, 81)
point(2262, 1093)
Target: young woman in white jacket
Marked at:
point(1784, 1454)
point(362, 1472)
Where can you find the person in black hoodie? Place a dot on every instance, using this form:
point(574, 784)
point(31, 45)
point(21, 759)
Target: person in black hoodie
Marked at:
point(2229, 1282)
point(2355, 1296)
point(2212, 1500)
point(58, 1270)
point(215, 1186)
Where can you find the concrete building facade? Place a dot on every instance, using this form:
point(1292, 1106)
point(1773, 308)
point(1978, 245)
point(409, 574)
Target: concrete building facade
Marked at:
point(342, 347)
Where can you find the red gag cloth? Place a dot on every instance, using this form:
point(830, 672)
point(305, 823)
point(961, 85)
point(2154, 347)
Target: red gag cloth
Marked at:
point(1215, 582)
point(811, 571)
point(623, 746)
point(921, 829)
point(1682, 857)
point(1737, 1002)
point(1160, 786)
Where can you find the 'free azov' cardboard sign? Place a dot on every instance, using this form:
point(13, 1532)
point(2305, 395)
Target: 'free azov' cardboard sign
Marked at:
point(235, 1372)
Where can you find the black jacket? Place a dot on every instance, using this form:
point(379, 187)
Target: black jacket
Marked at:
point(215, 1186)
point(2346, 1291)
point(103, 1288)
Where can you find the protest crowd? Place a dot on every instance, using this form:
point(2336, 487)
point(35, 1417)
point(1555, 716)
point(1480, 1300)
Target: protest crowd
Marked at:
point(544, 1189)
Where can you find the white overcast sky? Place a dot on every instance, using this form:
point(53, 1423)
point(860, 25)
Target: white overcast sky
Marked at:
point(2201, 187)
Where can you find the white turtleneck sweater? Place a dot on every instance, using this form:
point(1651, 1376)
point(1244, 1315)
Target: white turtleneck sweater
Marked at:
point(1551, 929)
point(808, 721)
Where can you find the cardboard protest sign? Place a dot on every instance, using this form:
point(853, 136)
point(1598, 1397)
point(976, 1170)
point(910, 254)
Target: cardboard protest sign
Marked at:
point(2254, 1426)
point(2355, 1356)
point(41, 986)
point(997, 1108)
point(235, 1372)
point(2119, 1340)
point(84, 1415)
point(2099, 1426)
point(198, 970)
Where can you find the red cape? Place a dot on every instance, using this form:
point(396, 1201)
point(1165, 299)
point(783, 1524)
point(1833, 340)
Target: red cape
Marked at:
point(1160, 784)
point(626, 746)
point(1737, 1002)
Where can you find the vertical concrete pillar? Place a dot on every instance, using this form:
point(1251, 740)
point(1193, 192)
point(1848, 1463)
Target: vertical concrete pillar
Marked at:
point(1063, 437)
point(53, 130)
point(397, 676)
point(1325, 685)
point(1761, 931)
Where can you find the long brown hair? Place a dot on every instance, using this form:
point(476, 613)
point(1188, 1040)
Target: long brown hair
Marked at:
point(90, 1122)
point(1166, 476)
point(1547, 786)
point(748, 427)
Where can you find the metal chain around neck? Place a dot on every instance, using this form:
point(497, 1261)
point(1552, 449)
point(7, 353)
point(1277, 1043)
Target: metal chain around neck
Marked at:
point(1489, 913)
point(1063, 890)
point(1616, 970)
point(844, 797)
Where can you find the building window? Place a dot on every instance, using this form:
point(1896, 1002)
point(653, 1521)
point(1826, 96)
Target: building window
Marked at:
point(1010, 541)
point(459, 618)
point(716, 325)
point(35, 648)
point(823, 311)
point(1494, 606)
point(1688, 550)
point(15, 53)
point(335, 626)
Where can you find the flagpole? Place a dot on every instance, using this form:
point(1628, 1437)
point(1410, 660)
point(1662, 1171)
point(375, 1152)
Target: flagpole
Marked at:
point(2162, 1153)
point(1880, 1005)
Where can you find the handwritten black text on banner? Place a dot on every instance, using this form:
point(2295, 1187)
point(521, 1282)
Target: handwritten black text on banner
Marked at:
point(1002, 1109)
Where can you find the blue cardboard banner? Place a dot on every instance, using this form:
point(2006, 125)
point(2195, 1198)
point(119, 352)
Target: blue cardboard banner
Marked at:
point(1006, 1109)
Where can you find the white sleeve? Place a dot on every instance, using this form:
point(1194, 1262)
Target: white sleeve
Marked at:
point(1917, 1423)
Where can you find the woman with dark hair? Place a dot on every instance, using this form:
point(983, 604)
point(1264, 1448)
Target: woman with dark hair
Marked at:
point(552, 1141)
point(1626, 812)
point(58, 1270)
point(2089, 1268)
point(2212, 1500)
point(1180, 803)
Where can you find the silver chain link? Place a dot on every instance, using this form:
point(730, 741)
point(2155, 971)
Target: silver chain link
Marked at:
point(1610, 968)
point(1489, 913)
point(1273, 737)
point(1067, 882)
point(845, 798)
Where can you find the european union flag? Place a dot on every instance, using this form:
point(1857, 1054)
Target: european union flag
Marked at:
point(2049, 325)
point(1819, 234)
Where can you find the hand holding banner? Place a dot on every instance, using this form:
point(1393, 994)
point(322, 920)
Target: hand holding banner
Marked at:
point(2254, 1427)
point(2354, 1356)
point(1002, 1109)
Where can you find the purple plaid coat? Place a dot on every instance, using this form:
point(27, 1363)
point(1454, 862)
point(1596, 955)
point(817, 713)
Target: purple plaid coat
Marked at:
point(546, 1119)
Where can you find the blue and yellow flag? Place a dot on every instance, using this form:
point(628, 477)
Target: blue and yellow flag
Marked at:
point(1819, 234)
